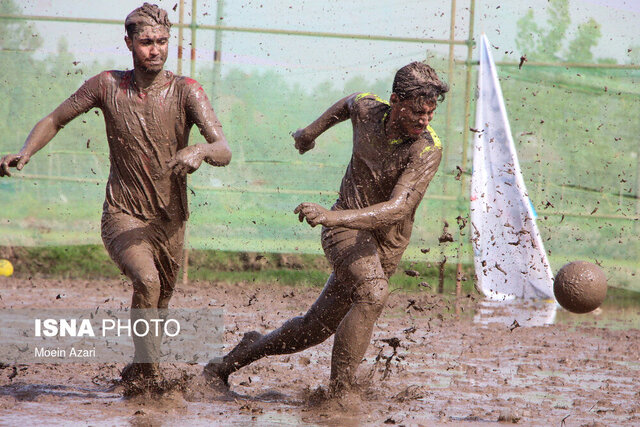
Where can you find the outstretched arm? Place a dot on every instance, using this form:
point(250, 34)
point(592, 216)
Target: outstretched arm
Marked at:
point(216, 150)
point(404, 199)
point(40, 135)
point(306, 138)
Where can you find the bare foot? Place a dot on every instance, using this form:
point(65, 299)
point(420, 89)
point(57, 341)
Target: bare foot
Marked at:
point(214, 372)
point(136, 371)
point(229, 363)
point(141, 378)
point(342, 390)
point(344, 399)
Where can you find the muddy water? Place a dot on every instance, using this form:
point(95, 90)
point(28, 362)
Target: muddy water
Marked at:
point(469, 368)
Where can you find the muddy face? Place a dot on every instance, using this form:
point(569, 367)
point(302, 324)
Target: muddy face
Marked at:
point(410, 117)
point(149, 48)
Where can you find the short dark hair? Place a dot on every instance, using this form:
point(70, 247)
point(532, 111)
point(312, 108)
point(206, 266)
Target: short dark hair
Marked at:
point(419, 81)
point(147, 14)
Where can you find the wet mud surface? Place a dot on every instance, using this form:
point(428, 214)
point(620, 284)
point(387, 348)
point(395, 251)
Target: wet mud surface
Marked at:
point(427, 366)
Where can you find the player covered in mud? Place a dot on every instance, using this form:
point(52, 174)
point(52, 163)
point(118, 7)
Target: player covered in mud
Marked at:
point(395, 155)
point(148, 113)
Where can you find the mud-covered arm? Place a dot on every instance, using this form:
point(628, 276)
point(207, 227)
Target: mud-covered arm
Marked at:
point(405, 198)
point(305, 138)
point(80, 102)
point(215, 151)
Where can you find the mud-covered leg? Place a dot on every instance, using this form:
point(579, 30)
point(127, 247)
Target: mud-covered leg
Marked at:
point(297, 334)
point(354, 333)
point(140, 268)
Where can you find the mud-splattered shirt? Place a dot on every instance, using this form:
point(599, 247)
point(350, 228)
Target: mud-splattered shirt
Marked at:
point(145, 129)
point(377, 166)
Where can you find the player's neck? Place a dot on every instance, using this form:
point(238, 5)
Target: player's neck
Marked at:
point(391, 129)
point(145, 79)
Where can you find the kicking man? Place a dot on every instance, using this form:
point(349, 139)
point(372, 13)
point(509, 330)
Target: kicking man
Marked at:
point(148, 114)
point(395, 155)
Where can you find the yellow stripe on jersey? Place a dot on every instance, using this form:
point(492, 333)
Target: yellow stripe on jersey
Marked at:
point(376, 97)
point(436, 141)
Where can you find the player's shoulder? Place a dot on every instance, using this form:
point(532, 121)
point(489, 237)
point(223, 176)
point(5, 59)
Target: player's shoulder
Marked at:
point(368, 106)
point(186, 82)
point(188, 86)
point(368, 98)
point(429, 142)
point(107, 76)
point(100, 82)
point(115, 75)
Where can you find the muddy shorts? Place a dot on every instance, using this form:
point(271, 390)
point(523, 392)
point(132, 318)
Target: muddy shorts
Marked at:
point(344, 246)
point(161, 240)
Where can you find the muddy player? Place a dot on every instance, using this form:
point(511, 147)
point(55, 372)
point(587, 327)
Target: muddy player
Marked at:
point(395, 155)
point(148, 113)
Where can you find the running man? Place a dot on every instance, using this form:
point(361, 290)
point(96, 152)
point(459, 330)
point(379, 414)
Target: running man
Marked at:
point(395, 155)
point(148, 114)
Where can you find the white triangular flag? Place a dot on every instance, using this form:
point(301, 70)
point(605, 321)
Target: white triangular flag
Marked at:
point(510, 260)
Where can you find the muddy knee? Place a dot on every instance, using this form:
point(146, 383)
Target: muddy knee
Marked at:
point(146, 289)
point(165, 297)
point(372, 294)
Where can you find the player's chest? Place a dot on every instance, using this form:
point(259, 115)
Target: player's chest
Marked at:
point(151, 114)
point(130, 102)
point(384, 156)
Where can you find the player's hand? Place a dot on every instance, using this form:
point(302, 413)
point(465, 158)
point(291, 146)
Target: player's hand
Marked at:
point(187, 160)
point(303, 142)
point(13, 161)
point(315, 214)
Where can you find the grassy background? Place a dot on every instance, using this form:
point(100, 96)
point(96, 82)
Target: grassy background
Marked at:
point(88, 262)
point(93, 262)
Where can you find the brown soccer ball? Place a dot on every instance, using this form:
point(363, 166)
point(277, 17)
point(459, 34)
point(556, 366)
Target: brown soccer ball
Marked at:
point(580, 286)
